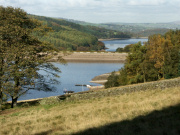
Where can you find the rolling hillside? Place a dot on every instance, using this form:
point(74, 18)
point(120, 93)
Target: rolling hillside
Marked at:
point(71, 36)
point(142, 29)
point(136, 29)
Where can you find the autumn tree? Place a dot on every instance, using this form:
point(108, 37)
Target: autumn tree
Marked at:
point(23, 55)
point(163, 53)
point(172, 49)
point(159, 58)
point(156, 53)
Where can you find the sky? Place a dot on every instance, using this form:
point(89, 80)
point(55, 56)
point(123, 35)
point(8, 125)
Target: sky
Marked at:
point(102, 11)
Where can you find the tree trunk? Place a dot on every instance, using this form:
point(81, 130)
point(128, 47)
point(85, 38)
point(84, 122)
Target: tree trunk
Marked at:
point(144, 78)
point(14, 102)
point(144, 74)
point(16, 91)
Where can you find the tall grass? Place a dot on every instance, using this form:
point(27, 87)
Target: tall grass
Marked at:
point(78, 116)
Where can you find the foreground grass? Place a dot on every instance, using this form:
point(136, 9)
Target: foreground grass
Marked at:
point(149, 112)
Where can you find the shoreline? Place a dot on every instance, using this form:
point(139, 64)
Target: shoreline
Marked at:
point(161, 84)
point(92, 57)
point(109, 39)
point(100, 79)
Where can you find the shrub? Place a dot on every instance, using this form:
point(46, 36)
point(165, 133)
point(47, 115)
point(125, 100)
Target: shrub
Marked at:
point(112, 80)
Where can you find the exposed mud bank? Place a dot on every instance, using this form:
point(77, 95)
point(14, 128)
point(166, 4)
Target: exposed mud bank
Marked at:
point(92, 57)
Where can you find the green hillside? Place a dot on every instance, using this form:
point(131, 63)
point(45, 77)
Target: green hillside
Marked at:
point(68, 36)
point(71, 36)
point(97, 30)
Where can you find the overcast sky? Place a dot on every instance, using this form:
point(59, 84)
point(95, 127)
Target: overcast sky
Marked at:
point(102, 11)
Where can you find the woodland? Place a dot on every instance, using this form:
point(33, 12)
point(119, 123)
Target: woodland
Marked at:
point(74, 37)
point(157, 59)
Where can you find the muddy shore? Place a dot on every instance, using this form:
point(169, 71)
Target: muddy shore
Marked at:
point(100, 79)
point(92, 57)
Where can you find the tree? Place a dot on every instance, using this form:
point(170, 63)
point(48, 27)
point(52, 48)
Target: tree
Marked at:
point(159, 58)
point(163, 53)
point(156, 53)
point(112, 80)
point(172, 48)
point(123, 80)
point(3, 68)
point(125, 49)
point(136, 65)
point(23, 54)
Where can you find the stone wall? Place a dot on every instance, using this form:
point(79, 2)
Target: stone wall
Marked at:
point(163, 84)
point(92, 94)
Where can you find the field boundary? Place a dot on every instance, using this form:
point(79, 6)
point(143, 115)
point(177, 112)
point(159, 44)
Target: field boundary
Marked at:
point(100, 93)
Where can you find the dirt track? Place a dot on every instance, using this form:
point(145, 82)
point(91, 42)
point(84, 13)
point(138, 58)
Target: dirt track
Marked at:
point(93, 57)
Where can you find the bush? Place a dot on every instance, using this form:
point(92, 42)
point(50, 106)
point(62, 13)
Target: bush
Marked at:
point(125, 49)
point(112, 80)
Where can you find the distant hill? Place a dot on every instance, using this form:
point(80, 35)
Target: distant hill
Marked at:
point(137, 29)
point(141, 29)
point(176, 22)
point(72, 36)
point(83, 36)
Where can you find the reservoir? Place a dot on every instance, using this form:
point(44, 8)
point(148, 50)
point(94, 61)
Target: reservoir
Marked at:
point(72, 74)
point(81, 73)
point(112, 45)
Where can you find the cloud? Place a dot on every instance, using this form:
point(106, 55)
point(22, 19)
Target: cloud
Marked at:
point(18, 2)
point(61, 3)
point(146, 2)
point(86, 3)
point(101, 10)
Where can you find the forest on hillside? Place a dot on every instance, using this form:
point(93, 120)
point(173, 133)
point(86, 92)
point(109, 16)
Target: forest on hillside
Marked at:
point(74, 37)
point(157, 59)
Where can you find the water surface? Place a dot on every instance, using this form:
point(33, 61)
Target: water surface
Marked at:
point(82, 73)
point(72, 74)
point(112, 45)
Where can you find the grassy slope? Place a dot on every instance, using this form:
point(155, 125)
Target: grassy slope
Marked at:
point(149, 112)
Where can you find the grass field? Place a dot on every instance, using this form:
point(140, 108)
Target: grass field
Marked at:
point(153, 112)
